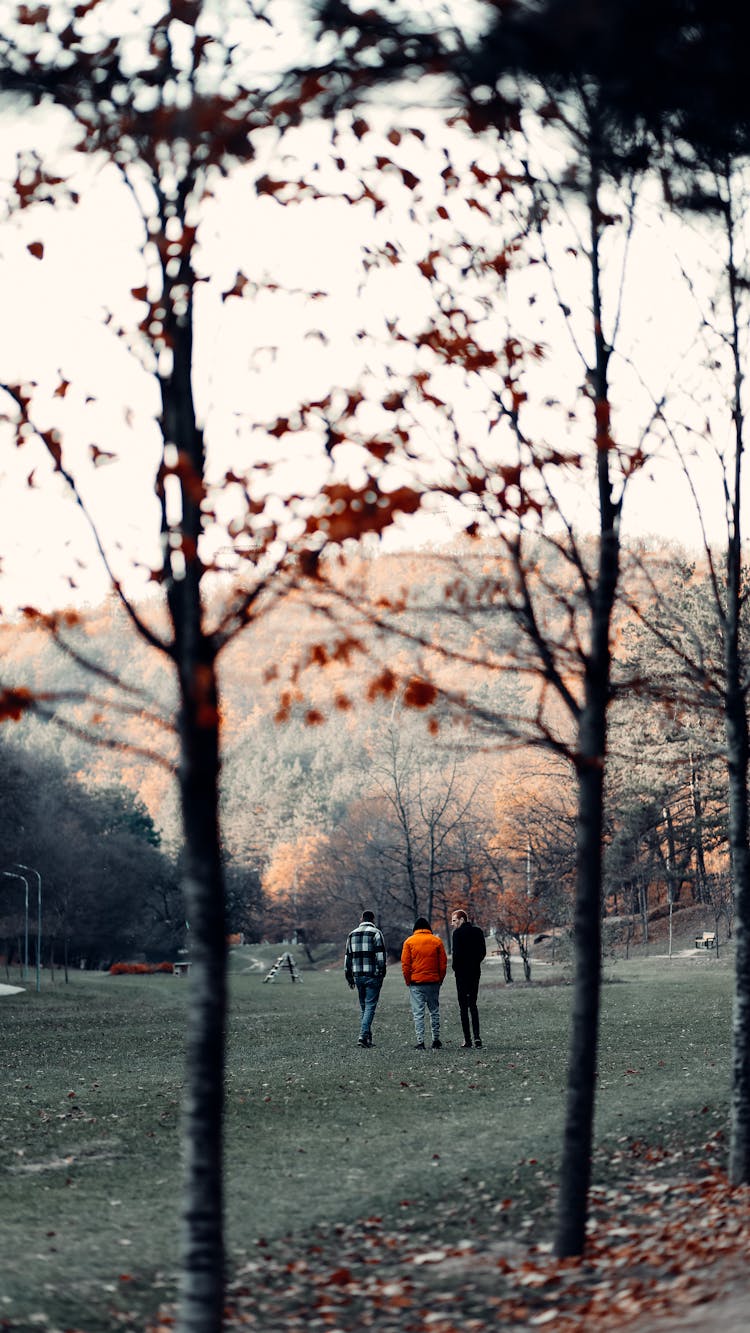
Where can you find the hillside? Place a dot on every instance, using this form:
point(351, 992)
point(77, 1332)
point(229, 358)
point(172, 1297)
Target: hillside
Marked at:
point(373, 719)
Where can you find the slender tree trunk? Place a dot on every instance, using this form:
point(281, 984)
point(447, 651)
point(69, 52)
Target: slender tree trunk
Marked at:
point(738, 751)
point(202, 1257)
point(738, 757)
point(643, 905)
point(411, 875)
point(201, 1286)
point(575, 1176)
point(578, 1133)
point(673, 881)
point(431, 876)
point(739, 839)
point(505, 955)
point(700, 856)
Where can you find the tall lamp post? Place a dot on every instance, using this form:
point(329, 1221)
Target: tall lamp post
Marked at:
point(32, 871)
point(11, 874)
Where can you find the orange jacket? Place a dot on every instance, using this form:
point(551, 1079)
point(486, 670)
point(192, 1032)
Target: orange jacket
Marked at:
point(423, 958)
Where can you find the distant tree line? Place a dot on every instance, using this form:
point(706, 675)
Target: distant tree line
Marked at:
point(109, 892)
point(371, 807)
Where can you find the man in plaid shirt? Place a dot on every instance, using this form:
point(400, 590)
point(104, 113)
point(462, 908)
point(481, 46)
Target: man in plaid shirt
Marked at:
point(364, 969)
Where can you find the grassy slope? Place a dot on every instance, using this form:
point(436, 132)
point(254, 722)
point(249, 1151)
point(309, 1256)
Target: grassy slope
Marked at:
point(317, 1129)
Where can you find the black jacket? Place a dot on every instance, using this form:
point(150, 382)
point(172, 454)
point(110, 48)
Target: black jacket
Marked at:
point(468, 948)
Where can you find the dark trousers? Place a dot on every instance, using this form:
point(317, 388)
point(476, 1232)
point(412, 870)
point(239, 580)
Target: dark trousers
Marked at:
point(467, 989)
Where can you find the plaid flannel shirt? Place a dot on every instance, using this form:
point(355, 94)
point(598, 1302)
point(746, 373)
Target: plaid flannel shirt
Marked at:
point(365, 953)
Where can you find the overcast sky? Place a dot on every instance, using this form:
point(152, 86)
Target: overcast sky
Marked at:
point(247, 355)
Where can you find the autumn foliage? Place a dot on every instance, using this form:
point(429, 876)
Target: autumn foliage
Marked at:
point(139, 969)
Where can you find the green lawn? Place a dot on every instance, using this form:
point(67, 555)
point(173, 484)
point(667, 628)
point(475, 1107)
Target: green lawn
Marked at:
point(317, 1129)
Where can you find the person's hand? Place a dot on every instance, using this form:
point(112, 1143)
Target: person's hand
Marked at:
point(350, 984)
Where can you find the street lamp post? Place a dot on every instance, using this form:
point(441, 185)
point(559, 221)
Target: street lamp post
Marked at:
point(11, 874)
point(32, 871)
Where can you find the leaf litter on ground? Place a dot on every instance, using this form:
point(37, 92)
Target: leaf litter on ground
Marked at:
point(660, 1245)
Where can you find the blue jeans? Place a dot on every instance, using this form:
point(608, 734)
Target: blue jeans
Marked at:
point(368, 990)
point(425, 993)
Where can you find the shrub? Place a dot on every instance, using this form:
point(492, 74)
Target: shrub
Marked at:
point(138, 969)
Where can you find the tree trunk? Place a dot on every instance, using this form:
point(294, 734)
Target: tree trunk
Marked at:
point(673, 878)
point(578, 1133)
point(575, 1175)
point(202, 1246)
point(201, 1286)
point(739, 839)
point(431, 877)
point(735, 712)
point(643, 904)
point(700, 856)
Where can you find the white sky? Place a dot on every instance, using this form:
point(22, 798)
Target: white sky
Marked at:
point(53, 329)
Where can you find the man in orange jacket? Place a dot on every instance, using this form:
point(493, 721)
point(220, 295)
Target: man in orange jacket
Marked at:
point(424, 964)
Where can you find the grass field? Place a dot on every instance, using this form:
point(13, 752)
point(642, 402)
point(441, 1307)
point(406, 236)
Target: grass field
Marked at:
point(317, 1129)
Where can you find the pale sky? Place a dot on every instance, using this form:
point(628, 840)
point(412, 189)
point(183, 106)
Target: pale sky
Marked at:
point(249, 353)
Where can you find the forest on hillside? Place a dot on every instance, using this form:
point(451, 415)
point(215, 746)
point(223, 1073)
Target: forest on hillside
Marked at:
point(336, 794)
point(84, 875)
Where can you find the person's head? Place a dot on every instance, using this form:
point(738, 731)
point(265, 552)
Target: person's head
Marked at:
point(369, 916)
point(422, 923)
point(458, 918)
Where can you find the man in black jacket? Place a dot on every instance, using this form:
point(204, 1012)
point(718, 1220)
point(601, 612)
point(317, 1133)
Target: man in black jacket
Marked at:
point(467, 951)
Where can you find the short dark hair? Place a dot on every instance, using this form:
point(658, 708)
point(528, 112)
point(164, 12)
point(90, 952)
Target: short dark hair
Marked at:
point(422, 923)
point(368, 916)
point(459, 911)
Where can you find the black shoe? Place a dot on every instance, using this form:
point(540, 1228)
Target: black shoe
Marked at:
point(466, 1045)
point(477, 1043)
point(437, 1044)
point(419, 1046)
point(361, 1041)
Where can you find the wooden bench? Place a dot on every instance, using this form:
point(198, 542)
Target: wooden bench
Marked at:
point(180, 969)
point(706, 941)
